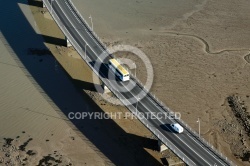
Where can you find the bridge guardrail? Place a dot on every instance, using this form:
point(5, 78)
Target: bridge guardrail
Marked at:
point(161, 104)
point(86, 23)
point(187, 127)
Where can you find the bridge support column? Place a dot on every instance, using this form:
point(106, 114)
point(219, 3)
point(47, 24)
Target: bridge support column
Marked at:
point(105, 88)
point(68, 44)
point(43, 4)
point(162, 147)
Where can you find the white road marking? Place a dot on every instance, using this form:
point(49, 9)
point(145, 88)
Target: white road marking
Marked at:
point(189, 136)
point(125, 86)
point(83, 26)
point(176, 135)
point(203, 148)
point(74, 27)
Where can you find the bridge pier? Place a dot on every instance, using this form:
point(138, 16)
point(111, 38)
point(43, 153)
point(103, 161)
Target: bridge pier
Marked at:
point(162, 147)
point(43, 4)
point(105, 89)
point(68, 44)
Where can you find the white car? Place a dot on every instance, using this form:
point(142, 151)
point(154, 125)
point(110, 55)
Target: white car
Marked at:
point(177, 127)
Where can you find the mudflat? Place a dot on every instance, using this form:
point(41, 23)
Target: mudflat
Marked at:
point(200, 54)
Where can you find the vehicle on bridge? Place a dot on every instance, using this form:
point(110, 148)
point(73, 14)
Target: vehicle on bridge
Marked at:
point(177, 127)
point(119, 70)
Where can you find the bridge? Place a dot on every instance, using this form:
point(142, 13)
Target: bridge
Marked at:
point(192, 149)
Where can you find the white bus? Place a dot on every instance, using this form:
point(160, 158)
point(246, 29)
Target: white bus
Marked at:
point(119, 71)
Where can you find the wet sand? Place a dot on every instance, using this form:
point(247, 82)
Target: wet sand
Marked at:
point(109, 136)
point(33, 129)
point(202, 66)
point(38, 91)
point(200, 53)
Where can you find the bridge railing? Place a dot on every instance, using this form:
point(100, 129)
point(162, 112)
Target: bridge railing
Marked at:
point(154, 130)
point(89, 28)
point(131, 107)
point(73, 42)
point(186, 126)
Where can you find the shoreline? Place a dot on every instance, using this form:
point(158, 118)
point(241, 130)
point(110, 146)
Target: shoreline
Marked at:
point(207, 117)
point(34, 122)
point(199, 73)
point(131, 131)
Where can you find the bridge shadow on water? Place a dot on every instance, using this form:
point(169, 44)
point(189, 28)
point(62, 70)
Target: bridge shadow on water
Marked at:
point(65, 92)
point(36, 3)
point(85, 85)
point(53, 40)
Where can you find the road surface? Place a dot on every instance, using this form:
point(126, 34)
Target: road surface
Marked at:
point(186, 145)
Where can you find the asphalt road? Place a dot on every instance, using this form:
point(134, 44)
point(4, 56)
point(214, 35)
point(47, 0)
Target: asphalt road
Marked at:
point(190, 147)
